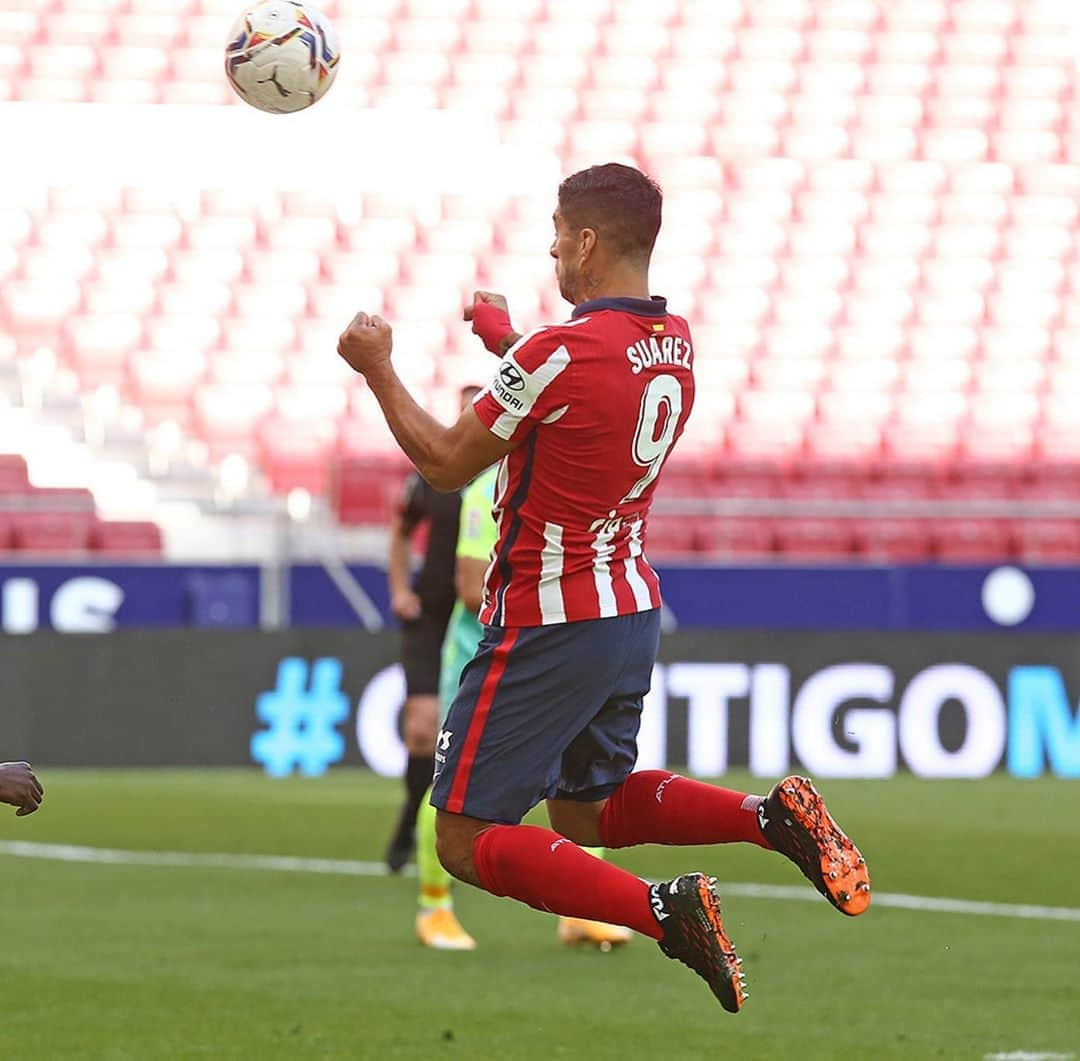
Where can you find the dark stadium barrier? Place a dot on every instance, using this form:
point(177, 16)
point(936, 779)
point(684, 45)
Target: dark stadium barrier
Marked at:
point(840, 705)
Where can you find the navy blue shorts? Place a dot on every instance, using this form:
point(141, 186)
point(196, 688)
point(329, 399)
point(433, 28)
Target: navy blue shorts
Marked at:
point(545, 712)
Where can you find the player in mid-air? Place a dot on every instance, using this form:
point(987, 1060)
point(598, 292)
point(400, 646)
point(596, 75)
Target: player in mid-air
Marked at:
point(582, 416)
point(437, 925)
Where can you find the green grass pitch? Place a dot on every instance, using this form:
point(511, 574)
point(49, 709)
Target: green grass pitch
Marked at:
point(143, 961)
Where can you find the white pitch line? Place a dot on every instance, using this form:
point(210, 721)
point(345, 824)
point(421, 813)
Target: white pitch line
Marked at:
point(929, 903)
point(112, 856)
point(1027, 1055)
point(349, 868)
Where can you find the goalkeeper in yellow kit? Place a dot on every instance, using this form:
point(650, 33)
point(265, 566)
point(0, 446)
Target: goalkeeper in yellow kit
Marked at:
point(436, 924)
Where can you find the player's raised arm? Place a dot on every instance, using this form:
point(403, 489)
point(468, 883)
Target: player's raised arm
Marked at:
point(20, 788)
point(447, 457)
point(490, 318)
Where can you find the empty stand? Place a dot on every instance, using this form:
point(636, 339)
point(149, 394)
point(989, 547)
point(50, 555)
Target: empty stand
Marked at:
point(871, 221)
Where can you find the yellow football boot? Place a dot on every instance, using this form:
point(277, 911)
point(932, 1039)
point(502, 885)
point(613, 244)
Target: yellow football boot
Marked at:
point(441, 930)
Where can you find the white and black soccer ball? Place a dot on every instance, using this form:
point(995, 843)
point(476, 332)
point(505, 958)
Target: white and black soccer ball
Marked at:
point(281, 56)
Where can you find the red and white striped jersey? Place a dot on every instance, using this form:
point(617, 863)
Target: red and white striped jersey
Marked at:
point(595, 405)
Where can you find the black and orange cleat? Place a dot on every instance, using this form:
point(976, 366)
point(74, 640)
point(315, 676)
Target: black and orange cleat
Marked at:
point(795, 821)
point(688, 910)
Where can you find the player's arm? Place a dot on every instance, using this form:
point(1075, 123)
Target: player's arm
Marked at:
point(447, 457)
point(469, 581)
point(404, 603)
point(20, 788)
point(490, 318)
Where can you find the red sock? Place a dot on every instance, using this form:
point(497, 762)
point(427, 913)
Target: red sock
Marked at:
point(548, 872)
point(655, 807)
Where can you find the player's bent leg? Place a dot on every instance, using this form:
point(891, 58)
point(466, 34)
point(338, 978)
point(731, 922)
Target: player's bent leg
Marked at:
point(577, 820)
point(436, 924)
point(657, 807)
point(577, 932)
point(455, 838)
point(535, 708)
point(549, 872)
point(796, 822)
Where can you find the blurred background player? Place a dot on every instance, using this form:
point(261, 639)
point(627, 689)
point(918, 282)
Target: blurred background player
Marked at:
point(437, 925)
point(423, 604)
point(20, 788)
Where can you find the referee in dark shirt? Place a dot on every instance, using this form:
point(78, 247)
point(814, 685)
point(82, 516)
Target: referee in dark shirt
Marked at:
point(423, 604)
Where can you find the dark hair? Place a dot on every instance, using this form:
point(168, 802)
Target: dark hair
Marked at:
point(619, 202)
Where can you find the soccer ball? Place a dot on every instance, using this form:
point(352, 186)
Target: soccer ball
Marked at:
point(282, 56)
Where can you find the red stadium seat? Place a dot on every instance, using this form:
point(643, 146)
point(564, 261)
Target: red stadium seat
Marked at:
point(972, 541)
point(814, 539)
point(1048, 541)
point(296, 454)
point(670, 536)
point(125, 538)
point(816, 478)
point(366, 491)
point(13, 474)
point(736, 537)
point(50, 533)
point(893, 541)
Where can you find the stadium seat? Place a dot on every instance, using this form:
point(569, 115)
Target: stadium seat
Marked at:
point(44, 532)
point(736, 538)
point(1048, 541)
point(972, 541)
point(13, 474)
point(296, 454)
point(671, 537)
point(814, 539)
point(892, 541)
point(366, 491)
point(125, 538)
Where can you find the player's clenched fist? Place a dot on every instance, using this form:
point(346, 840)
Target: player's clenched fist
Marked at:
point(366, 343)
point(20, 788)
point(490, 318)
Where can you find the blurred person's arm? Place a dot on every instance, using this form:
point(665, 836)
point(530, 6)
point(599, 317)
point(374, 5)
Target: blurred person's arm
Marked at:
point(404, 603)
point(20, 788)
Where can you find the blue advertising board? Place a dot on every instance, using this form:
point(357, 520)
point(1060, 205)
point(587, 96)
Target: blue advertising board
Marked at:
point(98, 598)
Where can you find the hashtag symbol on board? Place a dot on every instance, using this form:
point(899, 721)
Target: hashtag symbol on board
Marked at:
point(300, 718)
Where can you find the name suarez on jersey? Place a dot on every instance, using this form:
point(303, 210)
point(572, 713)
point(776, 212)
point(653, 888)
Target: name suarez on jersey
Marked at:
point(667, 350)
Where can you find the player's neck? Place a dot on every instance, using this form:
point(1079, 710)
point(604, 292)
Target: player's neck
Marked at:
point(621, 283)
